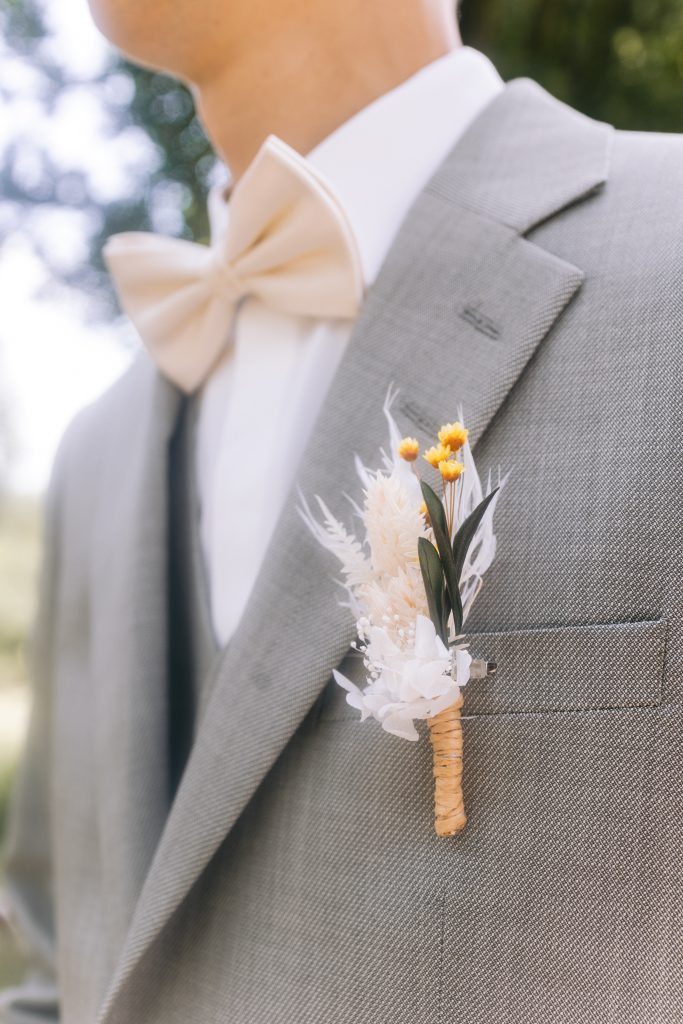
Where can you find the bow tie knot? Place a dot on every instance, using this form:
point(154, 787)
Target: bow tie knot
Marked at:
point(283, 238)
point(222, 278)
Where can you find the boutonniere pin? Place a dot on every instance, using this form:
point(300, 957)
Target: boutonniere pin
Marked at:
point(411, 578)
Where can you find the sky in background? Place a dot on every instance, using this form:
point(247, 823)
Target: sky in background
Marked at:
point(52, 361)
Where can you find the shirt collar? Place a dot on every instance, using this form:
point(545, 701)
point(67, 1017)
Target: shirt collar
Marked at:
point(380, 160)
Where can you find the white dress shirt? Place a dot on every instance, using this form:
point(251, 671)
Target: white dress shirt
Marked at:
point(259, 405)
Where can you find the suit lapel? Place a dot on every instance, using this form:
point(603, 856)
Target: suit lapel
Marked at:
point(129, 643)
point(459, 308)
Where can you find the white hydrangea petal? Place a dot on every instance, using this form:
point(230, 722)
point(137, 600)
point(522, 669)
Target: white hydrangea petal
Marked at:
point(425, 636)
point(434, 680)
point(400, 724)
point(345, 682)
point(441, 650)
point(375, 703)
point(354, 696)
point(380, 645)
point(428, 708)
point(463, 660)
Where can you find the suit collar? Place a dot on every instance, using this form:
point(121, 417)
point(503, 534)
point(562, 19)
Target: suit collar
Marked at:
point(460, 306)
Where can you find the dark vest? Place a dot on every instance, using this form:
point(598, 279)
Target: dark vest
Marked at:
point(192, 647)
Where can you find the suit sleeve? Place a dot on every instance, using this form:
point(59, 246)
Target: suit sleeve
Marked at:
point(28, 878)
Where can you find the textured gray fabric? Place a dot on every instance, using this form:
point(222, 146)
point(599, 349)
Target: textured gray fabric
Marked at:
point(297, 877)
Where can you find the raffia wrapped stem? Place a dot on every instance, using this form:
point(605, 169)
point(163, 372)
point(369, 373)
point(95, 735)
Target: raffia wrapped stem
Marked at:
point(445, 733)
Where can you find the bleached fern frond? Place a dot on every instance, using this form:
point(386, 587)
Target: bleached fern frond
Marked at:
point(334, 536)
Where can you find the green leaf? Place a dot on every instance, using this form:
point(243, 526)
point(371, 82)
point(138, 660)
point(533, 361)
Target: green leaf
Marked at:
point(432, 577)
point(457, 610)
point(465, 535)
point(437, 518)
point(445, 614)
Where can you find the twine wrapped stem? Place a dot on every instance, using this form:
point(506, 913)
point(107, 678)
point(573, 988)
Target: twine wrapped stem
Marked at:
point(445, 733)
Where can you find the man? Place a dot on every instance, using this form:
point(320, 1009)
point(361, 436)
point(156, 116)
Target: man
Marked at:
point(203, 832)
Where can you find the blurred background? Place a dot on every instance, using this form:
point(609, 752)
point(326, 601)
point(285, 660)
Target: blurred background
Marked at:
point(90, 145)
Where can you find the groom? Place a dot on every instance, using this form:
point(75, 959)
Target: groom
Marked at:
point(203, 831)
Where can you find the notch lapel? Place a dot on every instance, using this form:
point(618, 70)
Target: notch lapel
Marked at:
point(129, 644)
point(460, 306)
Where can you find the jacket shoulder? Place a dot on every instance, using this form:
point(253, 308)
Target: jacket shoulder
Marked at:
point(103, 435)
point(652, 164)
point(630, 226)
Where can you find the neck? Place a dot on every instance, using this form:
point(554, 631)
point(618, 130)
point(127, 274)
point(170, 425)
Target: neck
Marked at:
point(301, 80)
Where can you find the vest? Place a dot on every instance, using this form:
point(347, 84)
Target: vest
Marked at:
point(192, 647)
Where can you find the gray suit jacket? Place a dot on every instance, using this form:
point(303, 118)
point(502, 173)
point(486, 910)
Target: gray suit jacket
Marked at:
point(537, 281)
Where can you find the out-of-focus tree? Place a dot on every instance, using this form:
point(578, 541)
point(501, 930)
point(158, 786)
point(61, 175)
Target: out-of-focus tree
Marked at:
point(620, 61)
point(617, 60)
point(165, 192)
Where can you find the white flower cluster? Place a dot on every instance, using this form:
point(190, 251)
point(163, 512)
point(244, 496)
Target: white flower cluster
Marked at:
point(407, 684)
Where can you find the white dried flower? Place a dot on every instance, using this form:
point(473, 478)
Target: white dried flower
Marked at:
point(408, 687)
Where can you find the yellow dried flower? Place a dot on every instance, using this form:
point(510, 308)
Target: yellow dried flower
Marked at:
point(409, 449)
point(437, 454)
point(454, 435)
point(424, 512)
point(451, 471)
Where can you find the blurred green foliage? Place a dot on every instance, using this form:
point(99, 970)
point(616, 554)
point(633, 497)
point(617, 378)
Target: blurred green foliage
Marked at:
point(130, 98)
point(19, 553)
point(19, 558)
point(10, 956)
point(620, 61)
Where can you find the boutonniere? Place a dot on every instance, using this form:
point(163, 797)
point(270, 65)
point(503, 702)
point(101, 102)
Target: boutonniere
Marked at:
point(411, 576)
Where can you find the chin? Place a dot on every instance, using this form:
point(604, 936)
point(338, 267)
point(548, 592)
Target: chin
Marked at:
point(134, 29)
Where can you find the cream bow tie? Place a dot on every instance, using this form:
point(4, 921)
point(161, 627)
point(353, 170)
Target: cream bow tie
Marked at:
point(283, 238)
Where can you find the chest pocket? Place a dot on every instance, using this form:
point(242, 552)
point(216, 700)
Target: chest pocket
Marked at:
point(564, 668)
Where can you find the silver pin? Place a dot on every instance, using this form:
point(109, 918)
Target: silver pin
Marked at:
point(480, 669)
